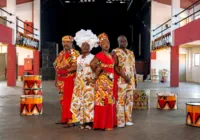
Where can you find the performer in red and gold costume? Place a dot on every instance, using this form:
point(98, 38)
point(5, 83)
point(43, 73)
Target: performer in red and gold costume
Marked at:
point(103, 66)
point(65, 66)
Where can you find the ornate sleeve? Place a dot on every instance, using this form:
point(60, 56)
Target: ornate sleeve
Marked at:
point(120, 58)
point(74, 57)
point(56, 62)
point(134, 64)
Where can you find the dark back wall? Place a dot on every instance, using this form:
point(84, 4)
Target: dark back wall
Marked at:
point(58, 20)
point(140, 19)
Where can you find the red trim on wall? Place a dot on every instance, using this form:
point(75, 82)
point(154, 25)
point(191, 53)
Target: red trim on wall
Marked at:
point(5, 34)
point(23, 1)
point(28, 28)
point(187, 33)
point(20, 70)
point(174, 76)
point(153, 55)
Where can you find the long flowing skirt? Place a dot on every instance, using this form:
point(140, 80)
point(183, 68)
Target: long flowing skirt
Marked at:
point(67, 97)
point(104, 109)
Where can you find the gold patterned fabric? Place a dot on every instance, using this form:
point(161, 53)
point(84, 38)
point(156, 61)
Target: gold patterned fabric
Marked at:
point(82, 105)
point(67, 38)
point(125, 91)
point(102, 36)
point(104, 90)
point(64, 60)
point(104, 109)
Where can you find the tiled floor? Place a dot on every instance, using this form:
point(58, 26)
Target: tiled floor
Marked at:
point(150, 124)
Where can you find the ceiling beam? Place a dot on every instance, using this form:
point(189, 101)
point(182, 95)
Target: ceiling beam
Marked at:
point(130, 5)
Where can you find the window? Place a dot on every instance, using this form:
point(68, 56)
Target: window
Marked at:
point(198, 16)
point(196, 59)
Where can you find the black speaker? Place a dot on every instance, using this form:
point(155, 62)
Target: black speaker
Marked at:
point(45, 61)
point(49, 53)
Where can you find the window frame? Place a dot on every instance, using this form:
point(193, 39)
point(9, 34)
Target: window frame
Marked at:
point(196, 60)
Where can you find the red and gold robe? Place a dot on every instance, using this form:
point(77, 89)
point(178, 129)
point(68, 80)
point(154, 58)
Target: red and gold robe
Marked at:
point(104, 99)
point(65, 84)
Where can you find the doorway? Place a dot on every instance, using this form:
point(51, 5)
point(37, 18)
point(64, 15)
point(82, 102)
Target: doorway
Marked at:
point(182, 67)
point(3, 67)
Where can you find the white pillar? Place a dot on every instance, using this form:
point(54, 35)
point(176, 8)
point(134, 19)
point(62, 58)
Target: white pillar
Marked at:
point(11, 8)
point(36, 18)
point(175, 9)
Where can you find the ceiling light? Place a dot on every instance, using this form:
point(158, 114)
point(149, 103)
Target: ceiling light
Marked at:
point(108, 1)
point(67, 1)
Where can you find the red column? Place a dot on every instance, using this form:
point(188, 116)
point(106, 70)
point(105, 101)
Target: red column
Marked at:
point(153, 57)
point(36, 62)
point(174, 76)
point(11, 65)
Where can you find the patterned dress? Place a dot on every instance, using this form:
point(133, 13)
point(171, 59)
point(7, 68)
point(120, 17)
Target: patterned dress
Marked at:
point(82, 105)
point(65, 84)
point(125, 91)
point(104, 100)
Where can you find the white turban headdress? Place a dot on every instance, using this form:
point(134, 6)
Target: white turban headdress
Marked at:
point(83, 36)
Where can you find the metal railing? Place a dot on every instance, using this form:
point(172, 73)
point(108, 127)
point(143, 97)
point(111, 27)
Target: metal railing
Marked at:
point(191, 7)
point(188, 8)
point(10, 14)
point(17, 23)
point(162, 29)
point(18, 26)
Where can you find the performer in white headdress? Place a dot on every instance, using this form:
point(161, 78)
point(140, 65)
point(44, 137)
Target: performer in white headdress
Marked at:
point(82, 105)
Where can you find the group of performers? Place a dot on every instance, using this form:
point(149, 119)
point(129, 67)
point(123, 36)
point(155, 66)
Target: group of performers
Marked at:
point(96, 91)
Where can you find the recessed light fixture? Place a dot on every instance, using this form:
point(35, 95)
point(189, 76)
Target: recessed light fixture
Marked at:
point(108, 1)
point(67, 1)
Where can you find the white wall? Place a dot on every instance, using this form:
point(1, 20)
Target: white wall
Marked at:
point(160, 13)
point(23, 53)
point(37, 18)
point(3, 13)
point(192, 72)
point(196, 8)
point(24, 12)
point(3, 49)
point(183, 51)
point(162, 61)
